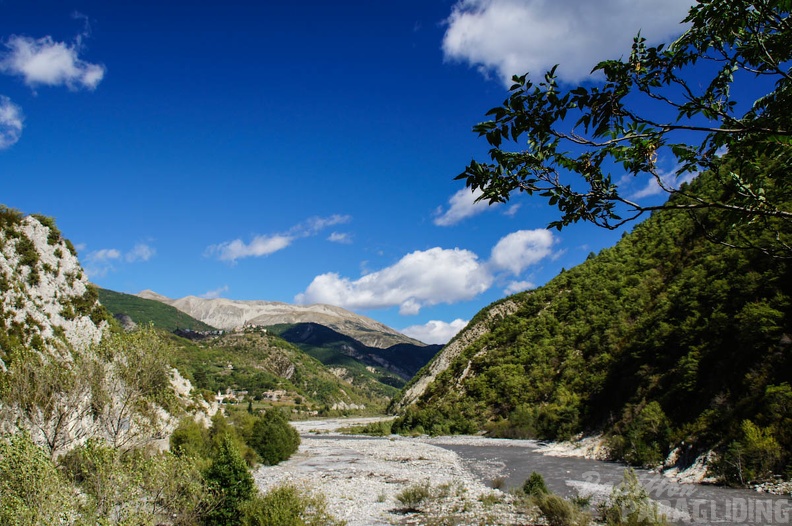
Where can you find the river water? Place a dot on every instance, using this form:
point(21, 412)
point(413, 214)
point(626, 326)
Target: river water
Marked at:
point(569, 476)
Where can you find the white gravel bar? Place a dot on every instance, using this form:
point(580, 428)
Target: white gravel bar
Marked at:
point(361, 476)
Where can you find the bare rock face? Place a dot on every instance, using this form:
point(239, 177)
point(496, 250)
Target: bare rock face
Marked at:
point(229, 314)
point(46, 298)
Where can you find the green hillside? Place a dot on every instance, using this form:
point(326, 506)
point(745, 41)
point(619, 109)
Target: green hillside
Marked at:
point(259, 362)
point(143, 311)
point(665, 340)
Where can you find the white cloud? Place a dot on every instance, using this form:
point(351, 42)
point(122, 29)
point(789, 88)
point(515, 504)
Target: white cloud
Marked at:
point(43, 61)
point(461, 206)
point(518, 286)
point(102, 255)
point(141, 252)
point(340, 237)
point(517, 251)
point(512, 37)
point(438, 332)
point(264, 245)
point(314, 225)
point(669, 179)
point(216, 293)
point(10, 123)
point(99, 262)
point(259, 246)
point(419, 279)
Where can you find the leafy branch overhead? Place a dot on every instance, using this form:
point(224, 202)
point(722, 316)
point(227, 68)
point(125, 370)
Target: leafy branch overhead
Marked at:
point(675, 104)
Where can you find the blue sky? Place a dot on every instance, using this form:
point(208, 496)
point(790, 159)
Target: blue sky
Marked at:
point(295, 151)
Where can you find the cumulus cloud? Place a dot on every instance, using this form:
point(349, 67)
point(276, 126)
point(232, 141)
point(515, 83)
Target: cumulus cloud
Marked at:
point(434, 331)
point(419, 279)
point(431, 277)
point(264, 245)
point(517, 251)
point(43, 61)
point(10, 123)
point(511, 37)
point(461, 205)
point(141, 252)
point(216, 293)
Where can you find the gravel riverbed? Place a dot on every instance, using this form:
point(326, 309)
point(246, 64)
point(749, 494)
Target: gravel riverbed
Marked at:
point(361, 478)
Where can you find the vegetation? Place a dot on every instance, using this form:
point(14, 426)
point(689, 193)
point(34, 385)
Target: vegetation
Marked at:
point(578, 141)
point(630, 504)
point(662, 340)
point(260, 363)
point(288, 506)
point(144, 312)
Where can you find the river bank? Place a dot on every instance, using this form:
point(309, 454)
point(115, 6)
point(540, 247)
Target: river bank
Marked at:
point(363, 477)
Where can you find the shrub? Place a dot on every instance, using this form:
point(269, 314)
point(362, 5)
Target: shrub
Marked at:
point(560, 512)
point(287, 506)
point(273, 438)
point(535, 485)
point(630, 504)
point(415, 495)
point(228, 477)
point(32, 491)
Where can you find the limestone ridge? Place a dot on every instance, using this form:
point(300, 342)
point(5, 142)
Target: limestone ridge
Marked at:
point(47, 302)
point(65, 376)
point(228, 314)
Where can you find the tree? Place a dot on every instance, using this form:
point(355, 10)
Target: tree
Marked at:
point(578, 141)
point(229, 477)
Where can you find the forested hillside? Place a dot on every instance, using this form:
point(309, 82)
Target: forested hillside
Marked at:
point(666, 340)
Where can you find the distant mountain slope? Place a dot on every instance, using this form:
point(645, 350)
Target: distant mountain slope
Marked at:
point(143, 311)
point(258, 362)
point(228, 314)
point(361, 364)
point(667, 340)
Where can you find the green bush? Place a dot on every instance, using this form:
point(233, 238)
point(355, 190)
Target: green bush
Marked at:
point(287, 506)
point(535, 485)
point(630, 505)
point(273, 438)
point(228, 477)
point(32, 491)
point(414, 496)
point(560, 512)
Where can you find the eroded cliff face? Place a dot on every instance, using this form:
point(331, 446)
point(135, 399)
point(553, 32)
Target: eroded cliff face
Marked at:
point(64, 377)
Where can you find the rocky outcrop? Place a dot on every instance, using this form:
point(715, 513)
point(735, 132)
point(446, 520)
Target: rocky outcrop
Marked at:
point(67, 378)
point(47, 301)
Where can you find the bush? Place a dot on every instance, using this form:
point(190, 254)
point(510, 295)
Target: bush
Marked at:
point(273, 438)
point(287, 506)
point(630, 504)
point(32, 491)
point(228, 477)
point(415, 495)
point(560, 512)
point(535, 485)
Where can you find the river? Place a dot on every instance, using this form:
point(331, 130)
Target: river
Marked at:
point(361, 477)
